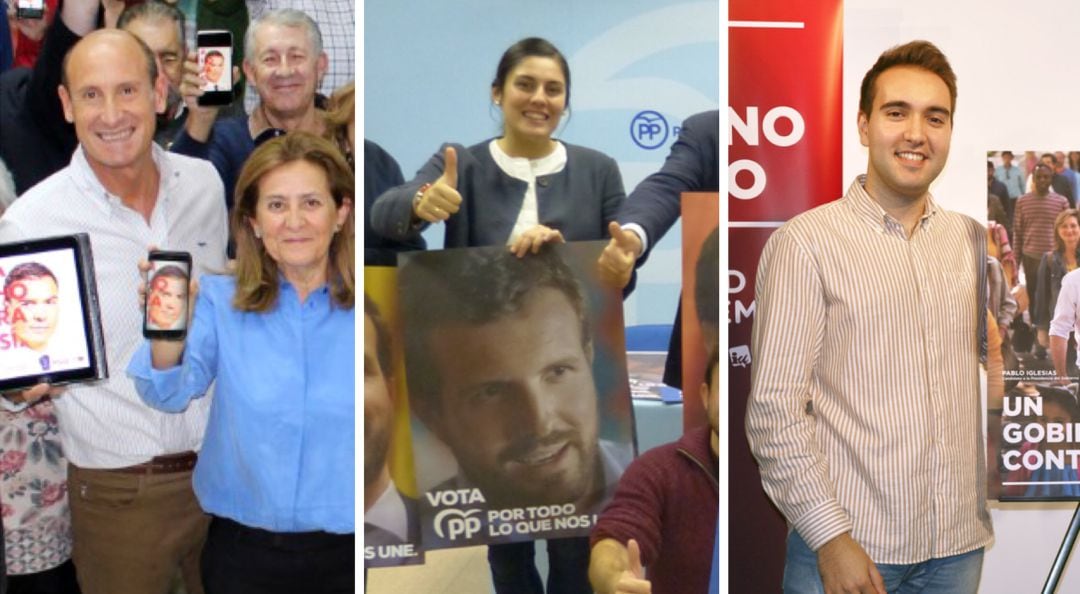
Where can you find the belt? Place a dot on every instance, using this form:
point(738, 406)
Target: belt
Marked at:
point(169, 463)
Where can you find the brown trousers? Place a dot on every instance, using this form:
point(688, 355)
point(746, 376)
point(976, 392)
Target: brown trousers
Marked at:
point(132, 532)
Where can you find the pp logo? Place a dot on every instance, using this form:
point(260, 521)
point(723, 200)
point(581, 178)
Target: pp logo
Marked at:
point(739, 356)
point(649, 130)
point(457, 524)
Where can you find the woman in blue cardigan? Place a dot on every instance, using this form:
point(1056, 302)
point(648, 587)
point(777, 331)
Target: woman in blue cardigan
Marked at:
point(522, 189)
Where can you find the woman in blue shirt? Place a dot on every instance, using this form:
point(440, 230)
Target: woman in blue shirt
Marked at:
point(276, 338)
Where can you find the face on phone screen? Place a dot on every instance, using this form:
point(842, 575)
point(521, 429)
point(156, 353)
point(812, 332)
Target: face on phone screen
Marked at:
point(167, 295)
point(215, 69)
point(34, 9)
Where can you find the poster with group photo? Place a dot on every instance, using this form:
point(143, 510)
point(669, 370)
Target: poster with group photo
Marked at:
point(1033, 415)
point(522, 418)
point(391, 502)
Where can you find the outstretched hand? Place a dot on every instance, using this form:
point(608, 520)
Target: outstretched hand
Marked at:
point(616, 263)
point(442, 199)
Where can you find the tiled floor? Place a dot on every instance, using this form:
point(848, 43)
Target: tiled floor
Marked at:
point(449, 571)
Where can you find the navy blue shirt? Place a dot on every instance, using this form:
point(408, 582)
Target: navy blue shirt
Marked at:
point(382, 172)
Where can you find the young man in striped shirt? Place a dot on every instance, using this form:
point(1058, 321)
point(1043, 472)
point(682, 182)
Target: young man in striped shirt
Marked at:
point(864, 406)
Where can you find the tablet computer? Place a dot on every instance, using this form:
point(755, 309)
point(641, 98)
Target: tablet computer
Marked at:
point(50, 320)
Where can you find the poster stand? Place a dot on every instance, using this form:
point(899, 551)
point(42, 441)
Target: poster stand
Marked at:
point(1063, 554)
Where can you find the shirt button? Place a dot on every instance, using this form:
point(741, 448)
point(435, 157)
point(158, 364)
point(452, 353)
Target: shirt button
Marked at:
point(542, 182)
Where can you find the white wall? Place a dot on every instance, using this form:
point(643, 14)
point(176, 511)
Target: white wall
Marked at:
point(1018, 71)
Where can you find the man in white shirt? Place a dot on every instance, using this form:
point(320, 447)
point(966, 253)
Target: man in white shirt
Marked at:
point(284, 60)
point(336, 19)
point(134, 516)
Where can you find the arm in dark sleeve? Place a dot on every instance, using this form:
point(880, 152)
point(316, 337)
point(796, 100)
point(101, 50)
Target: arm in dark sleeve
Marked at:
point(614, 195)
point(381, 173)
point(1062, 186)
point(690, 167)
point(392, 215)
point(43, 100)
point(635, 510)
point(227, 148)
point(186, 145)
point(5, 63)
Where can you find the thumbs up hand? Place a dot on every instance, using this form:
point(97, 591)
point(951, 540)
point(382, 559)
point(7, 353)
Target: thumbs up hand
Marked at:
point(633, 579)
point(616, 263)
point(441, 199)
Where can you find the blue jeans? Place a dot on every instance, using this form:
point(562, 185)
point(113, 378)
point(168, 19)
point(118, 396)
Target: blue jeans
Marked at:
point(513, 568)
point(958, 574)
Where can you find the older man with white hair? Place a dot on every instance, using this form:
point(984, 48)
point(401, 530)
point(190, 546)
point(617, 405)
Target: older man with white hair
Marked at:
point(284, 60)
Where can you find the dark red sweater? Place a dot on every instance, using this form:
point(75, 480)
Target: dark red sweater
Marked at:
point(668, 501)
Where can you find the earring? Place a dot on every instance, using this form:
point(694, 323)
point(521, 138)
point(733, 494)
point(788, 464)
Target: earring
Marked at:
point(258, 234)
point(497, 102)
point(337, 228)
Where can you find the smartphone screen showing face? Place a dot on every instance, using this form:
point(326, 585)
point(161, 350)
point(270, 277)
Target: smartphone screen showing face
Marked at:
point(30, 9)
point(215, 67)
point(166, 314)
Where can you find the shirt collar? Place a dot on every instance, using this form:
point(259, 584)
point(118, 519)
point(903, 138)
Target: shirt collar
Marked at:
point(527, 169)
point(287, 287)
point(868, 210)
point(87, 181)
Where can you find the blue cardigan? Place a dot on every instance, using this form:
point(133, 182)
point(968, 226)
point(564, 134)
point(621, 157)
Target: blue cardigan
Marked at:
point(578, 201)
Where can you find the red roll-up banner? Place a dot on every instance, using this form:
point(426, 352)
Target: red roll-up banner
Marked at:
point(785, 132)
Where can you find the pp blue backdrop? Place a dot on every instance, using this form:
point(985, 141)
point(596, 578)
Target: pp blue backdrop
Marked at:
point(428, 67)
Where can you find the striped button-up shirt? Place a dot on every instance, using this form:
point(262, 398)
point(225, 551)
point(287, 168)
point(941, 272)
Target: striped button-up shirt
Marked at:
point(864, 410)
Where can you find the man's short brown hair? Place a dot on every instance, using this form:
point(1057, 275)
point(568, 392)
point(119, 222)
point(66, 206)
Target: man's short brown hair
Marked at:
point(920, 54)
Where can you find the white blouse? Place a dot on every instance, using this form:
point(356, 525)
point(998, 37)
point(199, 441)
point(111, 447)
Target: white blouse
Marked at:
point(527, 170)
